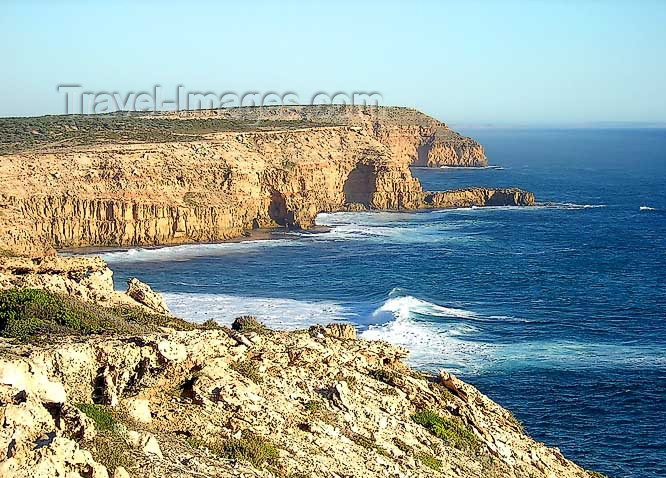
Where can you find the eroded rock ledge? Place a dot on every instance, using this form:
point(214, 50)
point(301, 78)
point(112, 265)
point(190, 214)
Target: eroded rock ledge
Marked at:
point(221, 184)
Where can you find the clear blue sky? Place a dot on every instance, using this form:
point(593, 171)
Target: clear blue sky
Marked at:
point(528, 62)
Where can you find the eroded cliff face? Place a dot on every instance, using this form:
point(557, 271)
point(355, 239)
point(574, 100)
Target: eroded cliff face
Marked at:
point(221, 186)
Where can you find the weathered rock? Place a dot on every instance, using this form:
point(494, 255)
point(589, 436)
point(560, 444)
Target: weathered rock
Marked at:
point(84, 278)
point(120, 472)
point(146, 442)
point(75, 424)
point(330, 407)
point(60, 458)
point(220, 188)
point(479, 197)
point(341, 331)
point(139, 410)
point(143, 294)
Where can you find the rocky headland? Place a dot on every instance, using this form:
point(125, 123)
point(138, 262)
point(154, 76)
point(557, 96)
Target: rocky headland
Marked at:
point(97, 383)
point(86, 396)
point(203, 177)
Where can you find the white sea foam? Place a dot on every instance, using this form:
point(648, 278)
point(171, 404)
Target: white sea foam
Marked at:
point(569, 205)
point(405, 306)
point(190, 251)
point(436, 336)
point(521, 209)
point(394, 227)
point(283, 314)
point(412, 323)
point(431, 344)
point(471, 168)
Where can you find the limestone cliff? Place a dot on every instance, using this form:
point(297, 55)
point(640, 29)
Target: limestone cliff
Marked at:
point(247, 402)
point(124, 193)
point(479, 197)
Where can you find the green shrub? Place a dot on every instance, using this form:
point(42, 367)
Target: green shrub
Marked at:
point(210, 324)
point(109, 448)
point(147, 321)
point(314, 406)
point(430, 461)
point(450, 431)
point(246, 324)
point(385, 375)
point(104, 421)
point(249, 447)
point(27, 314)
point(248, 369)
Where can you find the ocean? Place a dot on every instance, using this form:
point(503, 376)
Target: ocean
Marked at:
point(557, 312)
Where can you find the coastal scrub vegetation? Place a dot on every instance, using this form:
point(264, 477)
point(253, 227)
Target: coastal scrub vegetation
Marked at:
point(26, 134)
point(247, 324)
point(250, 447)
point(430, 461)
point(104, 421)
point(109, 447)
point(365, 442)
point(448, 430)
point(384, 375)
point(248, 369)
point(30, 314)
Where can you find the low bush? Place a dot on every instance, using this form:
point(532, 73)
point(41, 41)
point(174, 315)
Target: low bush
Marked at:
point(108, 448)
point(104, 421)
point(430, 461)
point(248, 369)
point(250, 447)
point(30, 314)
point(247, 324)
point(385, 375)
point(448, 430)
point(25, 312)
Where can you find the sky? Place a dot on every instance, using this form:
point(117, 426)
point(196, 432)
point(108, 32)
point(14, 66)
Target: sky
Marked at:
point(467, 62)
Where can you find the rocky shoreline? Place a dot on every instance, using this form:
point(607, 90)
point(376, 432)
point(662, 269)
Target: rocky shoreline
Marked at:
point(218, 185)
point(244, 401)
point(97, 383)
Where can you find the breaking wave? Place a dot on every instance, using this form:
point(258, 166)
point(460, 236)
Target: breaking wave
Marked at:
point(455, 339)
point(190, 251)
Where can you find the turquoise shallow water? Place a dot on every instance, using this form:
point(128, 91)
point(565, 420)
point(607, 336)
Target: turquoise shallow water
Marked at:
point(556, 311)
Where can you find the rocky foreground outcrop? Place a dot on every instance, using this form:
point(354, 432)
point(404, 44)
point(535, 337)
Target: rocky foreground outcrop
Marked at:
point(223, 403)
point(243, 401)
point(220, 184)
point(84, 278)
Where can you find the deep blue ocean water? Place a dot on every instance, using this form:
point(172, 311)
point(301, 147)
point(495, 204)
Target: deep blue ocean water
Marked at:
point(557, 312)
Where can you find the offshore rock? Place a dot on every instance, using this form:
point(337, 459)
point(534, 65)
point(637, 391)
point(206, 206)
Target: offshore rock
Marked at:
point(479, 197)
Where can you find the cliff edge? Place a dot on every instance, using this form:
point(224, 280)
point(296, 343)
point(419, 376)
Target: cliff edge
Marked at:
point(180, 400)
point(124, 181)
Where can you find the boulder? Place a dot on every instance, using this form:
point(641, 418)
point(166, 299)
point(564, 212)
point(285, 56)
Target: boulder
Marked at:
point(143, 294)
